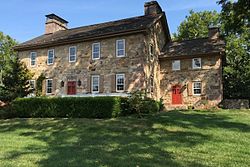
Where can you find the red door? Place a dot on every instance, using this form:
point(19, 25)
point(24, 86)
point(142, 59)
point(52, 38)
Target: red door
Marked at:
point(176, 95)
point(71, 87)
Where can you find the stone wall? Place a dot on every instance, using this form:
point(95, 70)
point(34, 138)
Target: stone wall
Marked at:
point(132, 65)
point(210, 76)
point(235, 104)
point(158, 39)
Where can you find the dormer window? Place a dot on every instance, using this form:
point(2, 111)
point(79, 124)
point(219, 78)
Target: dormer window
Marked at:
point(50, 57)
point(120, 48)
point(72, 54)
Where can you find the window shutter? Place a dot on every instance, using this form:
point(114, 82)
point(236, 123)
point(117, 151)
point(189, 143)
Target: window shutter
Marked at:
point(101, 84)
point(54, 86)
point(190, 88)
point(113, 83)
point(126, 82)
point(89, 84)
point(44, 87)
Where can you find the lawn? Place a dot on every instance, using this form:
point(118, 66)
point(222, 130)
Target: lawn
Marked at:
point(176, 138)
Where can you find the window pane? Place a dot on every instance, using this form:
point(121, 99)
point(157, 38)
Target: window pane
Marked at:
point(197, 63)
point(120, 81)
point(197, 88)
point(50, 57)
point(120, 52)
point(120, 44)
point(49, 86)
point(176, 65)
point(72, 51)
point(95, 83)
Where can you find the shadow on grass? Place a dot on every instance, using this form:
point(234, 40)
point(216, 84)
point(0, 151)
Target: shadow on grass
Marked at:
point(118, 142)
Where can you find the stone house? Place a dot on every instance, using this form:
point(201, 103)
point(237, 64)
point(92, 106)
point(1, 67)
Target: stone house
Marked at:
point(119, 57)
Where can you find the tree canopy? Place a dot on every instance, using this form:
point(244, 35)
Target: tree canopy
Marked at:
point(235, 27)
point(14, 74)
point(196, 25)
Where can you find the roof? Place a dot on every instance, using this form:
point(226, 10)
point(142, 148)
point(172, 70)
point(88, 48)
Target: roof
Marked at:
point(129, 25)
point(193, 47)
point(53, 16)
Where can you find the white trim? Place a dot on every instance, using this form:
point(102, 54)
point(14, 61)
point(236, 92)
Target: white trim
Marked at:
point(173, 69)
point(97, 76)
point(73, 55)
point(47, 86)
point(124, 45)
point(195, 94)
point(99, 45)
point(48, 56)
point(193, 63)
point(120, 91)
point(31, 59)
point(34, 83)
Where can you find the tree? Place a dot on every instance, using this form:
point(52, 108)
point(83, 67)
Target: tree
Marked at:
point(235, 18)
point(15, 76)
point(196, 25)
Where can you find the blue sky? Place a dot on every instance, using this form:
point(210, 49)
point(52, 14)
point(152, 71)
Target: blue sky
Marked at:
point(24, 19)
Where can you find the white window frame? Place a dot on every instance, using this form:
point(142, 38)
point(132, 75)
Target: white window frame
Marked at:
point(53, 50)
point(33, 60)
point(92, 83)
point(116, 82)
point(179, 67)
point(124, 49)
point(32, 80)
point(193, 88)
point(73, 55)
point(99, 52)
point(47, 86)
point(193, 63)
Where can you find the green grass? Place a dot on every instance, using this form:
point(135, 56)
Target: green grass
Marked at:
point(175, 138)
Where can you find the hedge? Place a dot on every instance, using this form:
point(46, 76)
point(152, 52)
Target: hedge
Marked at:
point(76, 107)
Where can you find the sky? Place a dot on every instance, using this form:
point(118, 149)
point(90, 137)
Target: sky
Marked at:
point(25, 19)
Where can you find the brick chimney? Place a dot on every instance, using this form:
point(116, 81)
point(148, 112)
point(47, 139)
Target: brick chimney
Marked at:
point(213, 32)
point(54, 23)
point(152, 8)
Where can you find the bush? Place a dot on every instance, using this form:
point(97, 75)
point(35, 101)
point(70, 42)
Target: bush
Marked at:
point(70, 107)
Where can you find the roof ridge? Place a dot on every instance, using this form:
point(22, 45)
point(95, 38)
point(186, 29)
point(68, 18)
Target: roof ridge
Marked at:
point(110, 22)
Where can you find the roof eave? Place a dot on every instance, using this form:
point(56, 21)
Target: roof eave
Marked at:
point(79, 39)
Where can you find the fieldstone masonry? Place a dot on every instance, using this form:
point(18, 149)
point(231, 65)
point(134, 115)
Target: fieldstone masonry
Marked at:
point(147, 64)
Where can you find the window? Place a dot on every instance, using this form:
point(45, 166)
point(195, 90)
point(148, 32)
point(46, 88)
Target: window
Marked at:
point(176, 65)
point(32, 84)
point(50, 57)
point(152, 84)
point(120, 48)
point(72, 54)
point(151, 51)
point(49, 84)
point(95, 83)
point(120, 82)
point(96, 51)
point(197, 88)
point(32, 59)
point(196, 63)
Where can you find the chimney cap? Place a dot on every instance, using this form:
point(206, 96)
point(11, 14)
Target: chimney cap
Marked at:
point(54, 16)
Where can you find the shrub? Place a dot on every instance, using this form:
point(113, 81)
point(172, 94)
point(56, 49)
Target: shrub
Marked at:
point(70, 107)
